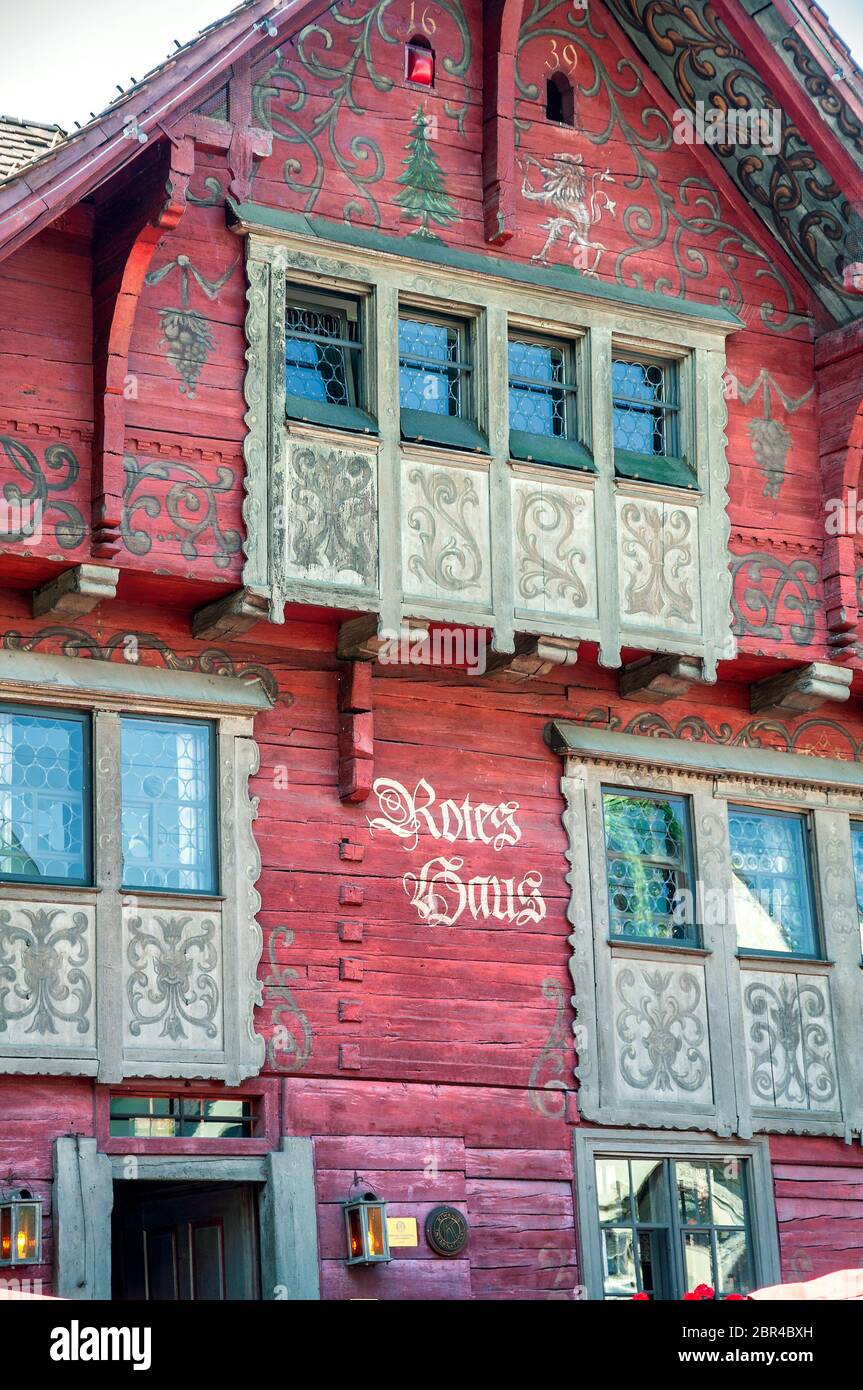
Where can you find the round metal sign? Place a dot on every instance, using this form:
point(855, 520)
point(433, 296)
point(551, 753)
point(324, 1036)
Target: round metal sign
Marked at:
point(446, 1230)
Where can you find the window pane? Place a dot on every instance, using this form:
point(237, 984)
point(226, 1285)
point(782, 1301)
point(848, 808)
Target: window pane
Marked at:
point(612, 1186)
point(537, 402)
point(693, 1194)
point(43, 809)
point(167, 806)
point(619, 1263)
point(698, 1258)
point(647, 854)
point(317, 358)
point(430, 373)
point(734, 1274)
point(648, 1185)
point(726, 1180)
point(772, 893)
point(642, 407)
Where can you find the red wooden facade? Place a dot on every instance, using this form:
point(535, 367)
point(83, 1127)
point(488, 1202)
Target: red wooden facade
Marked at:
point(435, 1060)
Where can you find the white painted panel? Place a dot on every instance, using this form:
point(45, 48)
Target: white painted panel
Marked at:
point(330, 515)
point(554, 548)
point(172, 995)
point(661, 1042)
point(47, 975)
point(657, 549)
point(446, 553)
point(790, 1048)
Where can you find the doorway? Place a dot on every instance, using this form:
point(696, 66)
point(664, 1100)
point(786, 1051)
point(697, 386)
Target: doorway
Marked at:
point(185, 1241)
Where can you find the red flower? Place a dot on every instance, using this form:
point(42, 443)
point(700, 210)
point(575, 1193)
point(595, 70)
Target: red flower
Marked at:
point(739, 1296)
point(640, 1296)
point(701, 1291)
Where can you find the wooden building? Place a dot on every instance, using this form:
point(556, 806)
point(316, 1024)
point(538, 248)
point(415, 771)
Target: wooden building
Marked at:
point(430, 665)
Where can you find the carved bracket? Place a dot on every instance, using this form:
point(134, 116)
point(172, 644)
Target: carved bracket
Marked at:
point(76, 591)
point(533, 657)
point(230, 616)
point(799, 691)
point(660, 678)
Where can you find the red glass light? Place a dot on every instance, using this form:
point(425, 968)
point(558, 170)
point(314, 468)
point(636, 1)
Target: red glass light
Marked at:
point(420, 66)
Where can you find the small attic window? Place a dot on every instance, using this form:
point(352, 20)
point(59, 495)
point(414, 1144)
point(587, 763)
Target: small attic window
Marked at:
point(419, 62)
point(559, 100)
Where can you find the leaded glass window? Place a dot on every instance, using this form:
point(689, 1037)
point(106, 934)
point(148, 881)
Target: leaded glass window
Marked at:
point(44, 797)
point(649, 864)
point(668, 1225)
point(322, 349)
point(645, 407)
point(773, 897)
point(169, 808)
point(541, 387)
point(434, 368)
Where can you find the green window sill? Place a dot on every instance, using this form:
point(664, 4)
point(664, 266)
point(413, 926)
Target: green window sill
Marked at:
point(423, 427)
point(337, 417)
point(649, 468)
point(541, 448)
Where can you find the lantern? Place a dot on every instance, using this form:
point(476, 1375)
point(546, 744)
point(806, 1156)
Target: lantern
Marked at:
point(419, 63)
point(366, 1226)
point(20, 1229)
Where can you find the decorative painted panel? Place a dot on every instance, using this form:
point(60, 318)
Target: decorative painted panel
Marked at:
point(791, 1051)
point(331, 515)
point(445, 533)
point(657, 545)
point(47, 984)
point(661, 1040)
point(173, 980)
point(554, 547)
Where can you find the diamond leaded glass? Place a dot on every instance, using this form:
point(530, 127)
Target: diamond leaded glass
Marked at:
point(433, 376)
point(647, 851)
point(320, 354)
point(541, 395)
point(772, 885)
point(44, 781)
point(644, 407)
point(168, 805)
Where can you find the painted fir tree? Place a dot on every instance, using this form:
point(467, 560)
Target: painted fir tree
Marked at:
point(423, 198)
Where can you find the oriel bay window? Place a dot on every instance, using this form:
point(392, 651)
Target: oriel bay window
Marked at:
point(128, 941)
point(716, 934)
point(657, 1221)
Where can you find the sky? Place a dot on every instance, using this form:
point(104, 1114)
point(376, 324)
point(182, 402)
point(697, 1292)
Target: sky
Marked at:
point(62, 59)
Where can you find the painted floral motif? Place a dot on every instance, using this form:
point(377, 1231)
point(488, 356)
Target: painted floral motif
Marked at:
point(334, 518)
point(771, 441)
point(131, 646)
point(790, 1034)
point(542, 515)
point(43, 955)
point(548, 1096)
point(764, 584)
point(186, 334)
point(191, 504)
point(345, 82)
point(657, 540)
point(659, 1024)
point(289, 1045)
point(449, 555)
point(25, 510)
point(173, 960)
